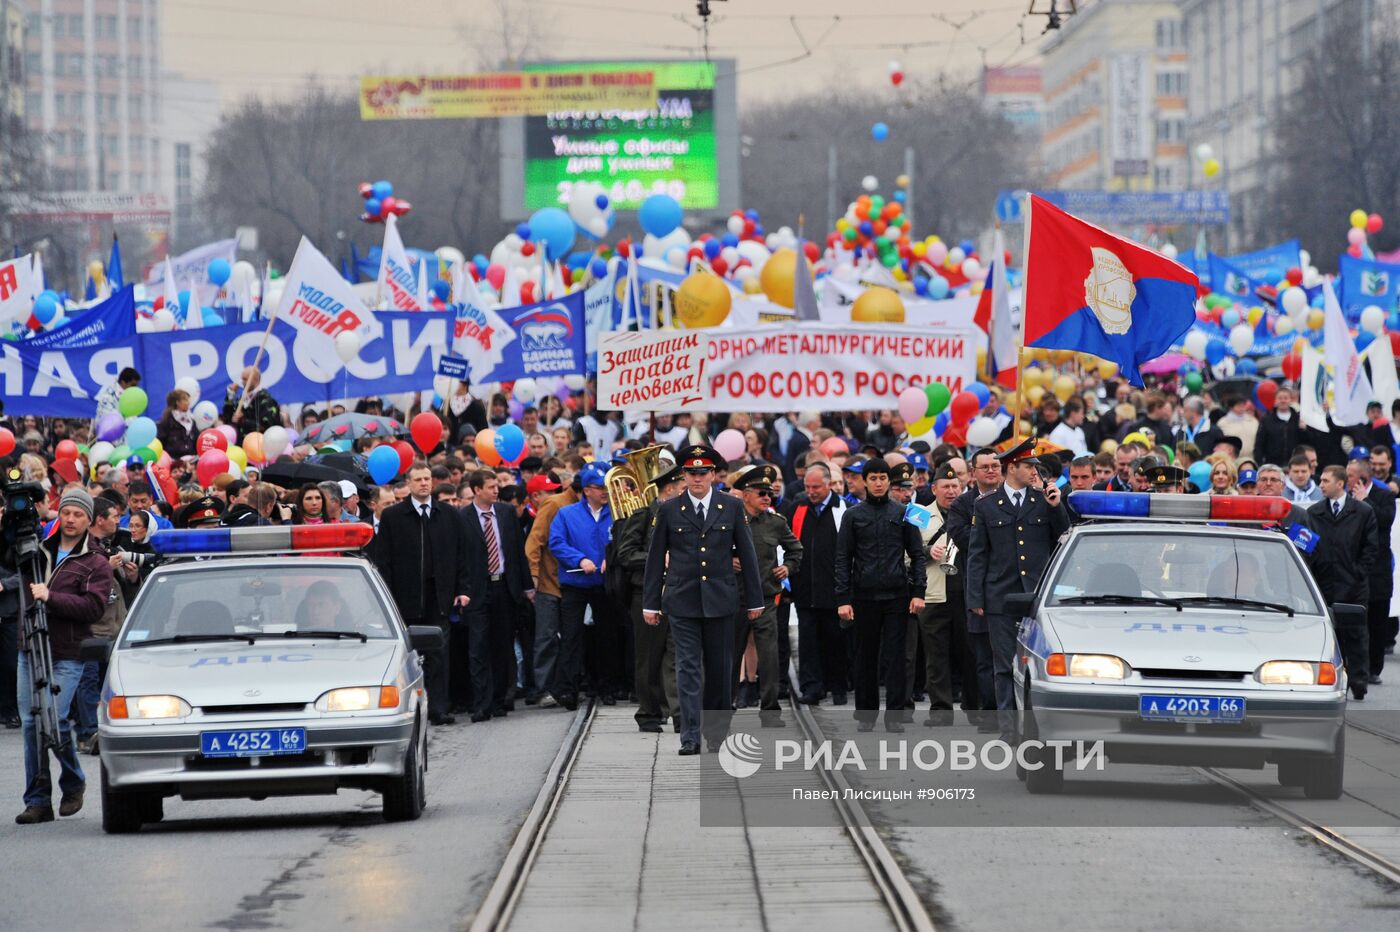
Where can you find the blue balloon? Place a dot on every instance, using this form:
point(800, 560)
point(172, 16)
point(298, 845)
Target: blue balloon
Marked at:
point(1229, 318)
point(729, 239)
point(383, 464)
point(1216, 350)
point(382, 189)
point(553, 228)
point(1246, 367)
point(219, 271)
point(880, 132)
point(921, 285)
point(660, 214)
point(373, 206)
point(140, 432)
point(599, 267)
point(210, 317)
point(967, 246)
point(602, 201)
point(522, 230)
point(442, 288)
point(757, 229)
point(983, 393)
point(1364, 339)
point(940, 423)
point(712, 248)
point(46, 307)
point(1199, 473)
point(938, 287)
point(510, 442)
point(751, 214)
point(900, 197)
point(481, 263)
point(866, 228)
point(578, 260)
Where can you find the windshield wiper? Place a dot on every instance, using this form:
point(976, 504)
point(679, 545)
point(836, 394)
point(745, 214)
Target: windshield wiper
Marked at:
point(323, 633)
point(1241, 603)
point(191, 638)
point(1119, 600)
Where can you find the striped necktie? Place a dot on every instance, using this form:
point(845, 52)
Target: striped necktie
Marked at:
point(493, 549)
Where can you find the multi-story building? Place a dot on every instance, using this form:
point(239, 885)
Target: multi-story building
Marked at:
point(1115, 87)
point(1247, 57)
point(11, 63)
point(1015, 94)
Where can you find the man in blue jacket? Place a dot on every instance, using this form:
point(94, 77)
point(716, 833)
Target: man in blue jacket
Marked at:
point(578, 538)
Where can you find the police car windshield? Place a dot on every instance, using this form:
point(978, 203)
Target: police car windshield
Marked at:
point(1211, 571)
point(257, 602)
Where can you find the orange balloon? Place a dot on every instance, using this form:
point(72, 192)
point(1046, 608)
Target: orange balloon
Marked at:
point(485, 444)
point(253, 446)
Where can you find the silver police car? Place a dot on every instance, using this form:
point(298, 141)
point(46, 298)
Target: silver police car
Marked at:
point(1182, 644)
point(250, 676)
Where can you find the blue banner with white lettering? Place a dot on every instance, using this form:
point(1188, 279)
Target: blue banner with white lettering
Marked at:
point(113, 319)
point(550, 339)
point(1365, 283)
point(1229, 279)
point(1269, 266)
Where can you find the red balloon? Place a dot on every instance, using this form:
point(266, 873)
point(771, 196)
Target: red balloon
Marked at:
point(1267, 391)
point(896, 78)
point(366, 190)
point(527, 249)
point(813, 253)
point(496, 275)
point(211, 464)
point(624, 249)
point(1293, 367)
point(386, 206)
point(956, 435)
point(1295, 276)
point(1354, 251)
point(1374, 223)
point(401, 206)
point(426, 429)
point(749, 227)
point(963, 408)
point(405, 453)
point(527, 292)
point(66, 450)
point(719, 265)
point(7, 441)
point(210, 439)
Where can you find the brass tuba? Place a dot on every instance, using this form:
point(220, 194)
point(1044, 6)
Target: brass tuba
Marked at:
point(629, 487)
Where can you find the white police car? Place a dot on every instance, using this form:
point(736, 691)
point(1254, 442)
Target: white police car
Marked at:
point(1181, 643)
point(258, 673)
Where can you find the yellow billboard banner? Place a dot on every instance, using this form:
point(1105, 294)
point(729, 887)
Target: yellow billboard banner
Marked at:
point(512, 93)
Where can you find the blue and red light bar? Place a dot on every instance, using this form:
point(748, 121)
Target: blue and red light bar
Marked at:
point(1171, 506)
point(282, 538)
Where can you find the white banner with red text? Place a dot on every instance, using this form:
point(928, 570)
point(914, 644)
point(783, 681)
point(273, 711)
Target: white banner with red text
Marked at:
point(653, 370)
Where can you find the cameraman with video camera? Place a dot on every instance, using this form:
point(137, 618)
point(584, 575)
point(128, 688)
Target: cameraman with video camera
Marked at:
point(74, 591)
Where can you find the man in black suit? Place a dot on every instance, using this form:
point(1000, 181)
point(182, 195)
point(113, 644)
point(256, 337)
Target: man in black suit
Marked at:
point(1279, 432)
point(1365, 488)
point(495, 530)
point(1014, 531)
point(432, 568)
point(1347, 548)
point(698, 536)
point(977, 691)
point(823, 653)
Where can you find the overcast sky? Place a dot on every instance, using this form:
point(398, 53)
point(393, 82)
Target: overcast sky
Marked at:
point(270, 46)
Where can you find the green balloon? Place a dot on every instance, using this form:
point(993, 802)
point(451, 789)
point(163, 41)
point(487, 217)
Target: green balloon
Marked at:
point(132, 402)
point(147, 454)
point(119, 455)
point(1194, 381)
point(938, 398)
point(876, 202)
point(83, 448)
point(889, 260)
point(12, 337)
point(850, 235)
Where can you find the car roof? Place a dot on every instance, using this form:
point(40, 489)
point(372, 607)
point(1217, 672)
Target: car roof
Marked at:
point(259, 561)
point(1176, 527)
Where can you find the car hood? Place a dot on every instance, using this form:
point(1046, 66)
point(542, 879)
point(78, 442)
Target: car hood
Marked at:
point(266, 672)
point(1161, 637)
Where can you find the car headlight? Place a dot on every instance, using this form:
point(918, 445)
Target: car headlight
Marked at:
point(359, 699)
point(147, 708)
point(1088, 666)
point(1296, 673)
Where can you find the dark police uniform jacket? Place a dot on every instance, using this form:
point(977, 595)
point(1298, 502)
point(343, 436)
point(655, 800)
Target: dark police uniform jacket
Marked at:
point(770, 531)
point(701, 582)
point(1009, 550)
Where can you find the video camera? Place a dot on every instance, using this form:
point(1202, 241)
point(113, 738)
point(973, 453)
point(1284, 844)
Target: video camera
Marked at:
point(21, 528)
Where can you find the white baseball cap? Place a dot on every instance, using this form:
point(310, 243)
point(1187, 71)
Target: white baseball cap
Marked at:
point(347, 489)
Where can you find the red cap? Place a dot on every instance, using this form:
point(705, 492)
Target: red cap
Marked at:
point(541, 483)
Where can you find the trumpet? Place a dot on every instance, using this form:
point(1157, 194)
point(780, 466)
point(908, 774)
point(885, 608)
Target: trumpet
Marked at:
point(629, 487)
point(949, 562)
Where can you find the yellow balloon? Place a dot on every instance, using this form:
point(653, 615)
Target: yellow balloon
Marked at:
point(875, 306)
point(1033, 377)
point(1315, 319)
point(981, 360)
point(899, 275)
point(1299, 343)
point(1064, 388)
point(921, 426)
point(1254, 314)
point(1062, 356)
point(96, 272)
point(236, 455)
point(1137, 436)
point(902, 181)
point(841, 224)
point(1211, 168)
point(1034, 394)
point(1358, 219)
point(156, 447)
point(703, 300)
point(1107, 369)
point(919, 249)
point(777, 276)
point(751, 286)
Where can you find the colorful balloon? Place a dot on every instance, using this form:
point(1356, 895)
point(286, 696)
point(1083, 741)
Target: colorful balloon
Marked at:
point(703, 300)
point(938, 397)
point(383, 462)
point(210, 440)
point(730, 444)
point(132, 402)
point(426, 430)
point(211, 463)
point(878, 305)
point(485, 445)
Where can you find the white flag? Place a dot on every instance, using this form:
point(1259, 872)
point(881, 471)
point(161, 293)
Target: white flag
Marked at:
point(1350, 390)
point(396, 279)
point(194, 264)
point(1384, 386)
point(1003, 336)
point(1312, 390)
point(171, 292)
point(804, 294)
point(38, 279)
point(423, 303)
point(557, 288)
point(479, 334)
point(194, 314)
point(510, 288)
point(317, 301)
point(17, 289)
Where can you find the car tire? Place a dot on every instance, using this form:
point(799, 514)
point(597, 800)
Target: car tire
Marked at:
point(1290, 772)
point(406, 794)
point(1322, 776)
point(1047, 779)
point(122, 812)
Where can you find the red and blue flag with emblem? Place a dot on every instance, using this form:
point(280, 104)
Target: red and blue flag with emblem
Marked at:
point(1090, 291)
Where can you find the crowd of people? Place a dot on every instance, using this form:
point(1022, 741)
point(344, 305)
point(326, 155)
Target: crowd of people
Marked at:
point(683, 602)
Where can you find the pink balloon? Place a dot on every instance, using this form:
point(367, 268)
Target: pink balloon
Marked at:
point(229, 433)
point(730, 444)
point(938, 254)
point(1356, 237)
point(834, 445)
point(912, 404)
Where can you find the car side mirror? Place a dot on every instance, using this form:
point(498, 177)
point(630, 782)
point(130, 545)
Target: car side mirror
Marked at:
point(1020, 604)
point(1345, 614)
point(425, 638)
point(95, 650)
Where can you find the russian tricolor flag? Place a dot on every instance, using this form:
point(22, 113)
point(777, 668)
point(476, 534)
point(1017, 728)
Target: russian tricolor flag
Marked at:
point(1092, 292)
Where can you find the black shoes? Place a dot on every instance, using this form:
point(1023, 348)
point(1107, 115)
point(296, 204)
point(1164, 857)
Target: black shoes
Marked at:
point(532, 699)
point(569, 702)
point(12, 721)
point(865, 726)
point(609, 699)
point(1373, 680)
point(478, 717)
point(809, 699)
point(441, 719)
point(895, 727)
point(650, 727)
point(838, 698)
point(773, 720)
point(1358, 690)
point(687, 748)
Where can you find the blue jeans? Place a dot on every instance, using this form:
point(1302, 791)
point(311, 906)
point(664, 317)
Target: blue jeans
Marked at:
point(89, 694)
point(38, 787)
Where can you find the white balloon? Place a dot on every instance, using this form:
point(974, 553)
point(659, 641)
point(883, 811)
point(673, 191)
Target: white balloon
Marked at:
point(347, 345)
point(1311, 277)
point(450, 255)
point(971, 269)
point(205, 414)
point(598, 226)
point(144, 325)
point(745, 272)
point(956, 256)
point(163, 321)
point(894, 65)
point(735, 225)
point(1294, 299)
point(1195, 344)
point(1241, 338)
point(575, 382)
point(513, 242)
point(730, 255)
point(870, 182)
point(1204, 152)
point(243, 273)
point(190, 386)
point(275, 442)
point(1169, 250)
point(100, 452)
point(526, 391)
point(983, 431)
point(1373, 319)
point(755, 252)
point(676, 257)
point(1304, 258)
point(1283, 326)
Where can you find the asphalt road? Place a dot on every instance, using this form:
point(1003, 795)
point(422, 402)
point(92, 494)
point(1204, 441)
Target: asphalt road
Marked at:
point(319, 862)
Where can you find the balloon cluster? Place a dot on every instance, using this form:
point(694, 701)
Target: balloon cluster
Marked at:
point(1362, 224)
point(896, 73)
point(48, 311)
point(1210, 165)
point(591, 209)
point(380, 202)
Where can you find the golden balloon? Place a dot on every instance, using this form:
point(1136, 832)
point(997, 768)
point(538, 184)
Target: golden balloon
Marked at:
point(876, 306)
point(703, 300)
point(777, 276)
point(1064, 387)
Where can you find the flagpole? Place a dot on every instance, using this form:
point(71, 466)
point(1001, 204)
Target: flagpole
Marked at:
point(257, 360)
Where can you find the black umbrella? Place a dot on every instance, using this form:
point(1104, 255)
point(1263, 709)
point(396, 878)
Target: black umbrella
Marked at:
point(354, 465)
point(296, 475)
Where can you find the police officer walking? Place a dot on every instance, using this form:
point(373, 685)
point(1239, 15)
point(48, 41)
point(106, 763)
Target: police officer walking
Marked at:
point(694, 545)
point(770, 533)
point(1014, 531)
point(878, 590)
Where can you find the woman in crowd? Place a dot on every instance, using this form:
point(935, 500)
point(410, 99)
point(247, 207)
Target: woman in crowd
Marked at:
point(310, 505)
point(1222, 475)
point(175, 429)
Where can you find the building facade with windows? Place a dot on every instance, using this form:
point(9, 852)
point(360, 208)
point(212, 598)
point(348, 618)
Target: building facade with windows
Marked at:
point(1116, 82)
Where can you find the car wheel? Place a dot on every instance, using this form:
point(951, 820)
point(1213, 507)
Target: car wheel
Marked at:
point(404, 795)
point(1048, 778)
point(1322, 776)
point(122, 812)
point(1290, 772)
